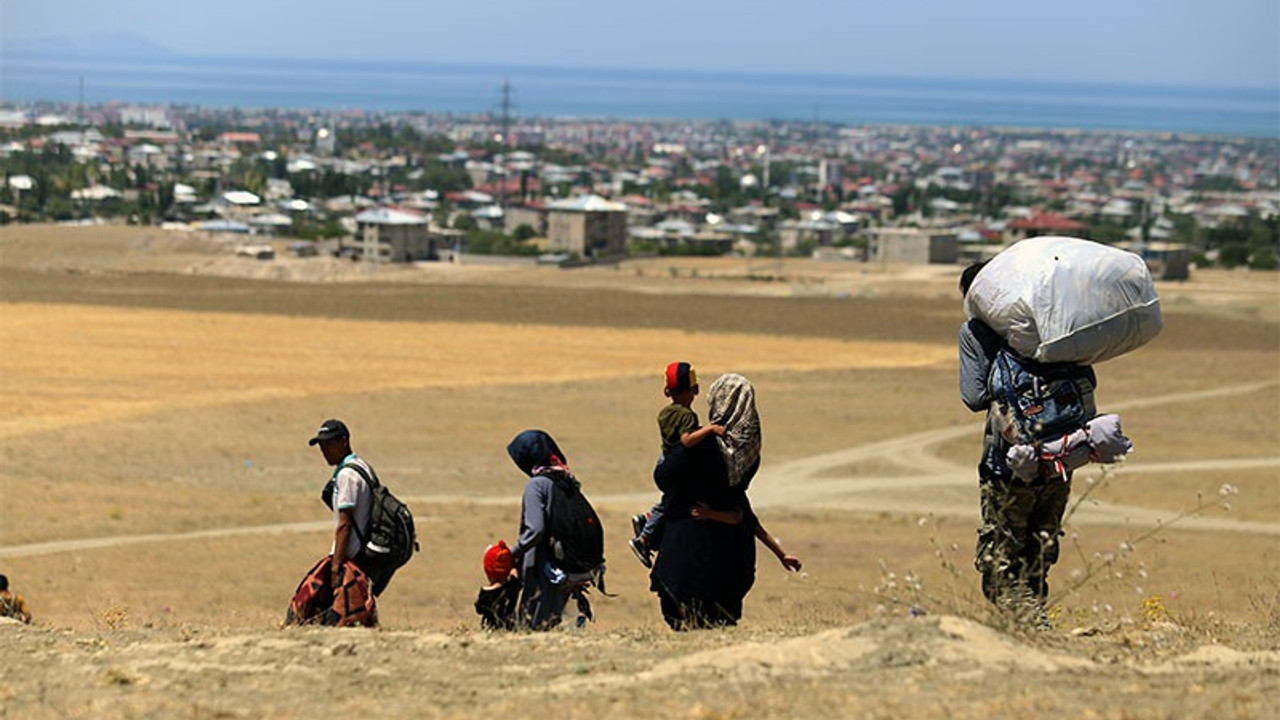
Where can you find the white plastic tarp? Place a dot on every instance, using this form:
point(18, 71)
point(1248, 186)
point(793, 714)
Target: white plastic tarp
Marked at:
point(1064, 299)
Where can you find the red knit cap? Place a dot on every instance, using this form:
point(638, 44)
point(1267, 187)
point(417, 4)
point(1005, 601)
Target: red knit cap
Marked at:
point(497, 562)
point(680, 377)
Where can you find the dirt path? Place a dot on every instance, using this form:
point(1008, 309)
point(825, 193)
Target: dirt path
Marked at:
point(932, 485)
point(927, 485)
point(57, 546)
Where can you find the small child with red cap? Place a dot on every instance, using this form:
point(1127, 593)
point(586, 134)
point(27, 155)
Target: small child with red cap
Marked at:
point(678, 425)
point(498, 601)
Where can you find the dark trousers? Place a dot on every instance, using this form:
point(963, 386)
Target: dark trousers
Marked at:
point(1020, 537)
point(378, 569)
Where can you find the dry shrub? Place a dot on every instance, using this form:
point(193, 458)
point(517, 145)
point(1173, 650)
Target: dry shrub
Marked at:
point(113, 616)
point(952, 588)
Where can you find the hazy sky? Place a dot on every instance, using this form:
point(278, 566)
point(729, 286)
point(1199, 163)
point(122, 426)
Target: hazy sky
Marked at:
point(1185, 42)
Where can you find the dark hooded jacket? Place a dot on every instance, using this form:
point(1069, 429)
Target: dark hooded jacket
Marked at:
point(533, 450)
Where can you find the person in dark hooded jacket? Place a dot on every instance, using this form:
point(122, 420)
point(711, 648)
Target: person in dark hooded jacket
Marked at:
point(547, 586)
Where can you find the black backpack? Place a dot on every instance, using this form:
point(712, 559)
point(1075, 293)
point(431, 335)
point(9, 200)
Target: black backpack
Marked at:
point(1032, 401)
point(391, 538)
point(576, 535)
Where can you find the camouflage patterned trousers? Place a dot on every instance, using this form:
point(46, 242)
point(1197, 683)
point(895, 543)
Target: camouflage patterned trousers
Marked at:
point(1019, 541)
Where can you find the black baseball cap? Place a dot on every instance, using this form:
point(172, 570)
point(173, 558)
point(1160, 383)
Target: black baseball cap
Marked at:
point(330, 429)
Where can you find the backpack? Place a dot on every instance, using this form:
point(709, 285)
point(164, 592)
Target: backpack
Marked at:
point(1032, 401)
point(575, 533)
point(391, 538)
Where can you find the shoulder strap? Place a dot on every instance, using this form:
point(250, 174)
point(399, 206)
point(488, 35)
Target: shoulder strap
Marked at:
point(989, 339)
point(371, 478)
point(568, 485)
point(1001, 365)
point(562, 484)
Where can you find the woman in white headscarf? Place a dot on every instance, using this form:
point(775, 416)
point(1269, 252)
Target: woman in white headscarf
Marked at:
point(707, 561)
point(732, 404)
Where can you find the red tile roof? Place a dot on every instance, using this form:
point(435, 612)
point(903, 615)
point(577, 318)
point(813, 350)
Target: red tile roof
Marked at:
point(509, 186)
point(1046, 221)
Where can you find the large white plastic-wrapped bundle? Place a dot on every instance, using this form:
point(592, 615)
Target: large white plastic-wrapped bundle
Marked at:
point(1064, 299)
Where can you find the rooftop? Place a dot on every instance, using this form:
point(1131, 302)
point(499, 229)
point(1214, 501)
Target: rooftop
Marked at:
point(1046, 221)
point(391, 216)
point(587, 203)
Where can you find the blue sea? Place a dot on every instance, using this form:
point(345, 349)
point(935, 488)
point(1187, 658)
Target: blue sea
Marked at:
point(631, 94)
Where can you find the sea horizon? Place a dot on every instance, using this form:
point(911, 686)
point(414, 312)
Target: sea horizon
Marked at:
point(161, 78)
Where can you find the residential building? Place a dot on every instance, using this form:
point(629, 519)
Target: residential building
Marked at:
point(1166, 260)
point(915, 246)
point(388, 234)
point(588, 226)
point(535, 216)
point(152, 117)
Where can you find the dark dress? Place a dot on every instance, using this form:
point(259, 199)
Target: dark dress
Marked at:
point(704, 568)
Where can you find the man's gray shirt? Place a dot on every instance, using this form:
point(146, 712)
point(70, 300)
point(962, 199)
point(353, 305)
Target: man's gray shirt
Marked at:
point(978, 347)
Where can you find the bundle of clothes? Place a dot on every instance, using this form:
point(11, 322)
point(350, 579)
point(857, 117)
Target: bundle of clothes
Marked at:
point(1063, 299)
point(318, 602)
point(1100, 440)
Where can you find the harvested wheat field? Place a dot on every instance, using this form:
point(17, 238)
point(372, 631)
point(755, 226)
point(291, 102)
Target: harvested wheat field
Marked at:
point(160, 502)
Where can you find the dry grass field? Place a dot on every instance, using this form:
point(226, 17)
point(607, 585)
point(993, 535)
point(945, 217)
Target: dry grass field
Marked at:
point(159, 501)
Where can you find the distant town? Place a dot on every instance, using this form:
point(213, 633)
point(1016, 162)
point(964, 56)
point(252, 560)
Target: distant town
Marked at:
point(419, 187)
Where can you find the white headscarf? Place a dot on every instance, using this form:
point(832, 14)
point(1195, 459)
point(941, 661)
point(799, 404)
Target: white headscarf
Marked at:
point(731, 402)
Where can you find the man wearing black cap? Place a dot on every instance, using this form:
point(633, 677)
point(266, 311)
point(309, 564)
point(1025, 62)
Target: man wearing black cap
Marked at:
point(347, 493)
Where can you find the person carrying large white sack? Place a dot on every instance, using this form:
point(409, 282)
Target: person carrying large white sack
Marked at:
point(1041, 313)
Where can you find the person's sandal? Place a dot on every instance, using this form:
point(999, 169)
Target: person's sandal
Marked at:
point(638, 523)
point(641, 550)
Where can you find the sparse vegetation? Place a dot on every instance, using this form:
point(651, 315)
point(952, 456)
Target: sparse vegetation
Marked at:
point(210, 381)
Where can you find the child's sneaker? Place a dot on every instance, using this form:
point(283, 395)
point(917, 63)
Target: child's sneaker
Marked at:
point(638, 523)
point(641, 550)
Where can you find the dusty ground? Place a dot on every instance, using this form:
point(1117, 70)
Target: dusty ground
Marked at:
point(160, 501)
